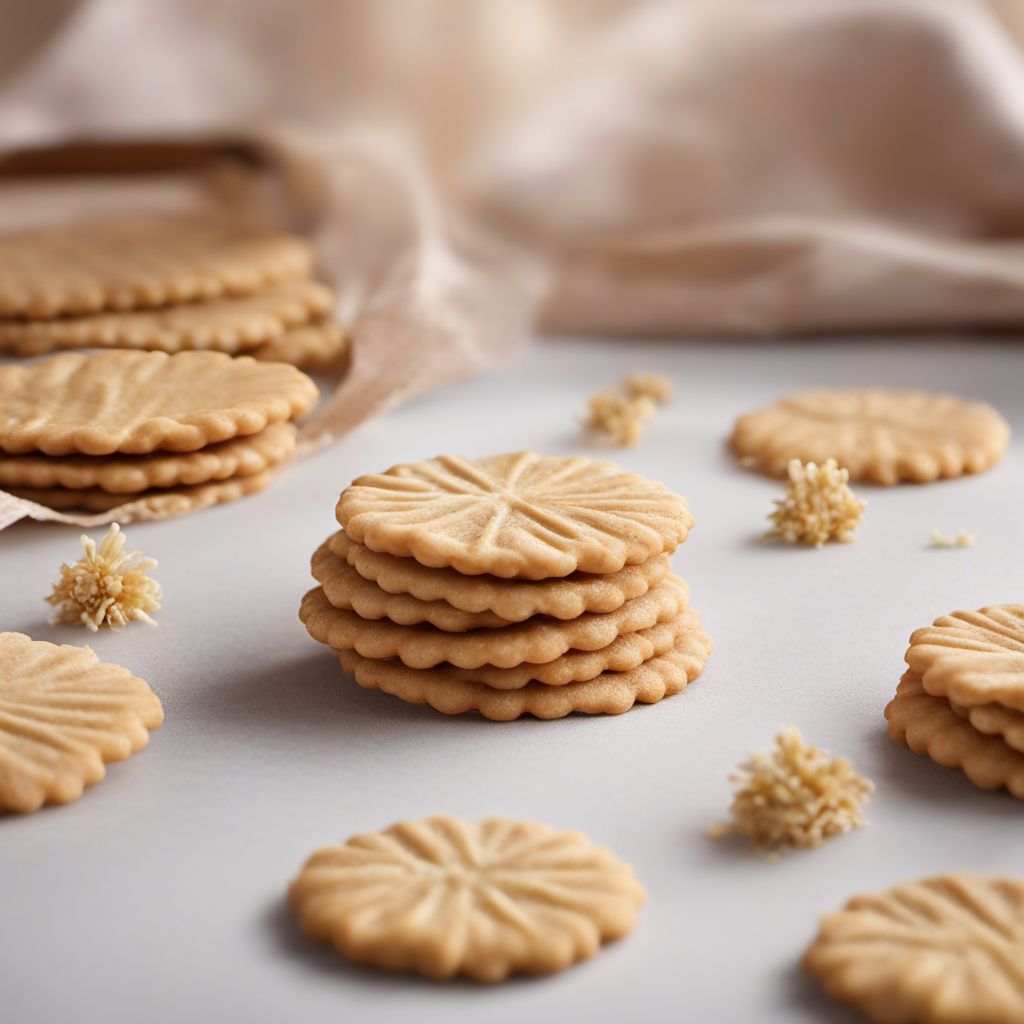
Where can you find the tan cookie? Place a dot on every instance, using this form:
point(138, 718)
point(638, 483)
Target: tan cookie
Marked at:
point(226, 324)
point(129, 474)
point(931, 728)
point(63, 714)
point(160, 503)
point(995, 720)
point(319, 346)
point(611, 693)
point(345, 588)
point(140, 263)
point(538, 640)
point(139, 402)
point(879, 434)
point(519, 514)
point(973, 657)
point(443, 898)
point(512, 600)
point(946, 950)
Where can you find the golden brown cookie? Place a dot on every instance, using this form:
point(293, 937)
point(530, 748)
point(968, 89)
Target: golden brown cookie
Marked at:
point(319, 346)
point(63, 714)
point(510, 599)
point(140, 263)
point(537, 640)
point(946, 950)
point(443, 898)
point(226, 324)
point(515, 515)
point(881, 434)
point(610, 693)
point(931, 728)
point(995, 720)
point(135, 403)
point(129, 474)
point(973, 657)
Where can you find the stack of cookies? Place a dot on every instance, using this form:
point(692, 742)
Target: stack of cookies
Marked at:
point(166, 285)
point(962, 701)
point(163, 433)
point(510, 585)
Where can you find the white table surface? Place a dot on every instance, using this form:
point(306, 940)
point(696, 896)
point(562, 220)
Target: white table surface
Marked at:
point(158, 896)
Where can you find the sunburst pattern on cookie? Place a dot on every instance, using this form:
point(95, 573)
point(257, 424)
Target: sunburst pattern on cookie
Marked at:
point(63, 714)
point(443, 897)
point(515, 515)
point(946, 950)
point(880, 434)
point(974, 657)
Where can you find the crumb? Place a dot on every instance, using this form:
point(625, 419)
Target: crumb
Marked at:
point(796, 796)
point(819, 505)
point(963, 539)
point(106, 587)
point(621, 418)
point(655, 386)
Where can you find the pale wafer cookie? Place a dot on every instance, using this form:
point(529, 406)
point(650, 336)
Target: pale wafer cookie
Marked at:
point(63, 714)
point(611, 693)
point(946, 950)
point(345, 588)
point(995, 720)
point(443, 898)
point(973, 657)
point(538, 640)
point(518, 514)
point(129, 474)
point(931, 728)
point(138, 402)
point(319, 346)
point(510, 599)
point(226, 324)
point(140, 263)
point(881, 434)
point(160, 503)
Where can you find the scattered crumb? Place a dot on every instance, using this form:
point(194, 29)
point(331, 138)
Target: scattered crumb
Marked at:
point(796, 796)
point(106, 587)
point(655, 386)
point(621, 418)
point(963, 539)
point(819, 505)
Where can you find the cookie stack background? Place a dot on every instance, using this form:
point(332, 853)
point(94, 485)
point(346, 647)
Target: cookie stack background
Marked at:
point(514, 584)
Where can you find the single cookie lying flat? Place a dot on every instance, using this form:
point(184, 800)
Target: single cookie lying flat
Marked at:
point(63, 714)
point(946, 950)
point(129, 474)
point(140, 263)
point(138, 402)
point(881, 434)
point(515, 515)
point(510, 599)
point(443, 897)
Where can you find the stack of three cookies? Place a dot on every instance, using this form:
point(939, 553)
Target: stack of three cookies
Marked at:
point(510, 585)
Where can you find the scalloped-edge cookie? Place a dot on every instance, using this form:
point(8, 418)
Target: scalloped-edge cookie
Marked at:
point(995, 720)
point(973, 657)
point(509, 599)
point(931, 728)
point(63, 714)
point(518, 514)
point(443, 897)
point(160, 503)
point(141, 262)
point(945, 950)
point(319, 346)
point(610, 693)
point(538, 640)
point(130, 474)
point(226, 324)
point(345, 588)
point(880, 434)
point(134, 403)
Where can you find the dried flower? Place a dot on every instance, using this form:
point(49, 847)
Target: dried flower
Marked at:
point(819, 505)
point(655, 386)
point(621, 418)
point(796, 796)
point(106, 586)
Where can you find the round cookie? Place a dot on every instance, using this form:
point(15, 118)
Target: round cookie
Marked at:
point(510, 599)
point(610, 693)
point(443, 898)
point(880, 434)
point(518, 514)
point(135, 403)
